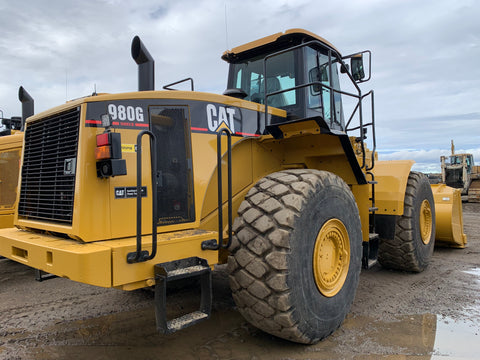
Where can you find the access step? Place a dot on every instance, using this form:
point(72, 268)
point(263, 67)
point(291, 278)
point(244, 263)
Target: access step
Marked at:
point(176, 270)
point(370, 251)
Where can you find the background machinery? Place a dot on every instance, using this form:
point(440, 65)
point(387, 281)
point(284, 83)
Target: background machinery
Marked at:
point(459, 171)
point(11, 141)
point(145, 188)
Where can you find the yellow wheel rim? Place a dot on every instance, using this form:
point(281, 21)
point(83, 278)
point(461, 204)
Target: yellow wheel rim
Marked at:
point(426, 222)
point(331, 257)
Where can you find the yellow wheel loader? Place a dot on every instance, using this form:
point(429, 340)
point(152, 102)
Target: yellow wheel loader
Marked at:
point(145, 188)
point(11, 141)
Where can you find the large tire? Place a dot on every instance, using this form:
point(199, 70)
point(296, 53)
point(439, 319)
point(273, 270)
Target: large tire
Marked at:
point(412, 246)
point(296, 254)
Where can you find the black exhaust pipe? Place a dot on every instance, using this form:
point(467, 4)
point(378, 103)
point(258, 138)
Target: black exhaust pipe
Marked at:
point(27, 105)
point(146, 65)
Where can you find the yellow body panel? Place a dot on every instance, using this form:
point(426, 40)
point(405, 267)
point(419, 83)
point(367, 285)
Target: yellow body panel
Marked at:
point(171, 246)
point(89, 263)
point(102, 263)
point(391, 177)
point(362, 194)
point(10, 154)
point(97, 216)
point(448, 213)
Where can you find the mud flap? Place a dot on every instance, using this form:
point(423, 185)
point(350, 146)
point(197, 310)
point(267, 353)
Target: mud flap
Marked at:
point(449, 216)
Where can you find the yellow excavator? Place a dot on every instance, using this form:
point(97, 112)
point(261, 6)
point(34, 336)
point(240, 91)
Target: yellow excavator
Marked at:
point(145, 188)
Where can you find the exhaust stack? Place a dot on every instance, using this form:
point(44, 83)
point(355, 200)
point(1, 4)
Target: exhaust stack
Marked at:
point(146, 65)
point(27, 105)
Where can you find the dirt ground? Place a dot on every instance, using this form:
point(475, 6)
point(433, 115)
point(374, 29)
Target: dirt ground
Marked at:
point(395, 315)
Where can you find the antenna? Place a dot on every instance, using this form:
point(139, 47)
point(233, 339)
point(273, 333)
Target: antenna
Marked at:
point(66, 85)
point(226, 26)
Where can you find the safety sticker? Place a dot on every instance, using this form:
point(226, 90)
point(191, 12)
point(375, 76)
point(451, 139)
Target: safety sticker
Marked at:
point(130, 148)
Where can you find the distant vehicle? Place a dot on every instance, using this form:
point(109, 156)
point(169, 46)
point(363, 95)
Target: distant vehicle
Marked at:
point(459, 171)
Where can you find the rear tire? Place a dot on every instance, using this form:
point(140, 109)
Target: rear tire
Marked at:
point(412, 247)
point(296, 254)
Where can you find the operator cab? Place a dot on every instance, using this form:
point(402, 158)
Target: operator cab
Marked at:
point(463, 158)
point(302, 78)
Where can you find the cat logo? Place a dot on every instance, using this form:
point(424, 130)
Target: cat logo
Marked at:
point(216, 116)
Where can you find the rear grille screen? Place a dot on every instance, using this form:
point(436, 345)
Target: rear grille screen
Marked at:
point(49, 168)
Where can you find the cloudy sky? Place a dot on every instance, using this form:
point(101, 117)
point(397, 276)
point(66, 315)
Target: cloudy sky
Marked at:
point(425, 64)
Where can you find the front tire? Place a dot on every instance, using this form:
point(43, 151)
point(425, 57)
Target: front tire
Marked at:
point(296, 254)
point(412, 246)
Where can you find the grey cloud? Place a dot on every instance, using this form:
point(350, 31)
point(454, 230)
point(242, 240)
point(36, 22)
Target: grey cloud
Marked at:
point(425, 53)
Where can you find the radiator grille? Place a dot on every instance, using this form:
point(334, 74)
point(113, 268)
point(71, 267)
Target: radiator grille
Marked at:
point(49, 167)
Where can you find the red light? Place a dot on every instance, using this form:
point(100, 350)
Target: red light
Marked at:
point(103, 139)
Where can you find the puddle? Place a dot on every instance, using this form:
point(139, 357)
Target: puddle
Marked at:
point(475, 271)
point(457, 339)
point(226, 335)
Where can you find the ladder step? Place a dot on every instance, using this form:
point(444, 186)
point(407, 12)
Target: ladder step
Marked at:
point(186, 320)
point(373, 236)
point(371, 209)
point(176, 270)
point(190, 271)
point(372, 182)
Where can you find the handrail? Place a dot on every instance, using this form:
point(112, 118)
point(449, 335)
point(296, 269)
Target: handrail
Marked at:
point(213, 245)
point(143, 255)
point(168, 87)
point(358, 96)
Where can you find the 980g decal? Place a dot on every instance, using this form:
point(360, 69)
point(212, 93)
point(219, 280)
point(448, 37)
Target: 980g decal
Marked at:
point(203, 116)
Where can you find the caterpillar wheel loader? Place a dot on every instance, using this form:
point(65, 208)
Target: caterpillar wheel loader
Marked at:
point(459, 171)
point(145, 188)
point(11, 140)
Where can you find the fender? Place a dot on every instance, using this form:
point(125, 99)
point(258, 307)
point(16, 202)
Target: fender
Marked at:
point(391, 177)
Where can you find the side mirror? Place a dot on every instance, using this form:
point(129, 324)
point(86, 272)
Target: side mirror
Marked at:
point(318, 74)
point(356, 63)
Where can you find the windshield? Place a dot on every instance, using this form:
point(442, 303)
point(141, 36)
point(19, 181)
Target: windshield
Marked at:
point(249, 77)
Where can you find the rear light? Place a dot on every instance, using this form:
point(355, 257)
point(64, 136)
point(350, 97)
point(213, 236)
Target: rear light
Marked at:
point(108, 154)
point(103, 139)
point(103, 152)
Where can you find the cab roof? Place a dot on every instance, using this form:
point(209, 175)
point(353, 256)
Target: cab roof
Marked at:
point(273, 43)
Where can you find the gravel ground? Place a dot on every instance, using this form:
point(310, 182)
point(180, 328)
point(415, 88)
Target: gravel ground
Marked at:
point(394, 314)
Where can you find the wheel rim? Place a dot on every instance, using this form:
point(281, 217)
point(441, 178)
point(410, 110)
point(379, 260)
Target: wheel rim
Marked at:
point(426, 221)
point(331, 257)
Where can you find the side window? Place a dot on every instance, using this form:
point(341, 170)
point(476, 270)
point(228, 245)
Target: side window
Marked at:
point(238, 84)
point(256, 87)
point(318, 71)
point(320, 98)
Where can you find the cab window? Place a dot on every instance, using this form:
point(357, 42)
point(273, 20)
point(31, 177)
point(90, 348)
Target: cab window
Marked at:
point(321, 98)
point(249, 77)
